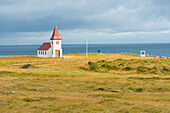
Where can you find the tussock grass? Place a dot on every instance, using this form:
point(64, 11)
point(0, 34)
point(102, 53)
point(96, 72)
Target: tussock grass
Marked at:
point(133, 66)
point(67, 85)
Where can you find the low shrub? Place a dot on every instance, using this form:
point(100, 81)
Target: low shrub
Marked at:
point(90, 63)
point(127, 68)
point(145, 61)
point(114, 67)
point(106, 65)
point(121, 64)
point(30, 99)
point(93, 67)
point(139, 89)
point(165, 69)
point(120, 59)
point(143, 69)
point(151, 61)
point(153, 72)
point(136, 89)
point(154, 68)
point(103, 61)
point(101, 88)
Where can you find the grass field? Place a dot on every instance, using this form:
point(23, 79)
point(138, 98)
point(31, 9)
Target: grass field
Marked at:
point(104, 83)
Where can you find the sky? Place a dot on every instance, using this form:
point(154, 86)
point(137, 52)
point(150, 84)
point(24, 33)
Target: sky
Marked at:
point(31, 22)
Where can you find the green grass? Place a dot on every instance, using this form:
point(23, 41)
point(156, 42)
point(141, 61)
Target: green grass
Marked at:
point(141, 66)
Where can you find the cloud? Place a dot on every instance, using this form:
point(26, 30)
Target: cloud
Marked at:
point(79, 19)
point(79, 36)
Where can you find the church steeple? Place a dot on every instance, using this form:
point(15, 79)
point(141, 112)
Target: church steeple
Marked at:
point(55, 35)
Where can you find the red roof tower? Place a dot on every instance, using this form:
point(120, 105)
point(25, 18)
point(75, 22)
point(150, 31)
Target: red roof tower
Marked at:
point(55, 35)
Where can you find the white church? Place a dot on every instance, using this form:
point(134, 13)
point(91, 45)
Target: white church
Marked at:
point(53, 48)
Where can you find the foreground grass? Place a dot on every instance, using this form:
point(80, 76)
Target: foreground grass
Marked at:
point(65, 87)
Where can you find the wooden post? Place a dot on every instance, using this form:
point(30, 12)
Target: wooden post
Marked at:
point(3, 62)
point(29, 60)
point(87, 49)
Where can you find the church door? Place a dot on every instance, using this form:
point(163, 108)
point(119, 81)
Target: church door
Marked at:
point(57, 53)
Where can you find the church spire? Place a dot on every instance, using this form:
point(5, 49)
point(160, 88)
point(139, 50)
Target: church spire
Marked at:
point(55, 35)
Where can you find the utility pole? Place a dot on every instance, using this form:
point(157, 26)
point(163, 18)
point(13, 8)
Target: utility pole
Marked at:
point(87, 49)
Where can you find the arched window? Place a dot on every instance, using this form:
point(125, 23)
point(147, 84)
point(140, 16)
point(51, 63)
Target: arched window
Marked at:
point(39, 52)
point(45, 52)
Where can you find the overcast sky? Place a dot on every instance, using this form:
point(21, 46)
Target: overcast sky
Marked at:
point(25, 22)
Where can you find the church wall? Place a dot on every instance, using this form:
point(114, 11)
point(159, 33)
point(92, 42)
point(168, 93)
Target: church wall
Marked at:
point(42, 53)
point(50, 52)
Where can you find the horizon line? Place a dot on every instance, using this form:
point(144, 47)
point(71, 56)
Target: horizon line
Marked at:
point(96, 43)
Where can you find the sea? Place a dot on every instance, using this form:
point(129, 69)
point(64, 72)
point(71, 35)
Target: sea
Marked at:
point(152, 49)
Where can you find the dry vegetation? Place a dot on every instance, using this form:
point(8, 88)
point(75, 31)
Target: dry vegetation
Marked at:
point(69, 85)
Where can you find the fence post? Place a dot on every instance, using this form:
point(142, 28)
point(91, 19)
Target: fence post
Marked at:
point(29, 60)
point(3, 62)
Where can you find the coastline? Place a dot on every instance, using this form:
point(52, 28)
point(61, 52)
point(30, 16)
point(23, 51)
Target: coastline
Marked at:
point(126, 54)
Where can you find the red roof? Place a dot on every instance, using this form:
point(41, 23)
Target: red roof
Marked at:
point(45, 46)
point(56, 35)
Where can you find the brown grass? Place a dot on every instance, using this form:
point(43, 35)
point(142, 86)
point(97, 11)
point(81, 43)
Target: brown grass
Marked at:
point(62, 86)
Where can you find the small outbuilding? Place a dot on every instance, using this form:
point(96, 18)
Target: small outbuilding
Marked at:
point(143, 53)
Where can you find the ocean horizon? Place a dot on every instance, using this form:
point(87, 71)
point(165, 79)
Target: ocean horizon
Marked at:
point(152, 49)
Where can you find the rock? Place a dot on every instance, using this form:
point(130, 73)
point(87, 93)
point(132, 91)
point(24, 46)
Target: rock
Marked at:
point(27, 66)
point(8, 92)
point(114, 91)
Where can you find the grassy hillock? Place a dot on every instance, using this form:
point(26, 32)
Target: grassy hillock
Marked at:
point(142, 66)
point(121, 84)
